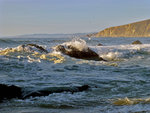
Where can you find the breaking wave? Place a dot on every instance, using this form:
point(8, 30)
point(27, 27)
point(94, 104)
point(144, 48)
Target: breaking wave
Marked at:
point(32, 54)
point(111, 53)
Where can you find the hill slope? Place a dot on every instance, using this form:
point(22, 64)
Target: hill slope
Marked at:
point(137, 29)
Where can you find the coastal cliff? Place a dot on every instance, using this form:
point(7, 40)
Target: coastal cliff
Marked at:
point(137, 29)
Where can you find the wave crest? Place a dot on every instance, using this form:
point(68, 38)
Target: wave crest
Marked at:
point(77, 43)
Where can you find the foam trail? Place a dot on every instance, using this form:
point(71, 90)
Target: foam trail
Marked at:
point(32, 54)
point(127, 101)
point(118, 52)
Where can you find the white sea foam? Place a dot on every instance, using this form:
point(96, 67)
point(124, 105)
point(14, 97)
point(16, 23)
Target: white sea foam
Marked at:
point(116, 52)
point(77, 43)
point(32, 54)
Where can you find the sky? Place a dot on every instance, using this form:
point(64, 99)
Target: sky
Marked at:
point(19, 17)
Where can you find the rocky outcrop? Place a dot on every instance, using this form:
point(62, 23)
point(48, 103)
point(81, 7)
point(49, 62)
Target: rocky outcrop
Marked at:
point(71, 51)
point(137, 29)
point(99, 44)
point(33, 48)
point(40, 48)
point(137, 42)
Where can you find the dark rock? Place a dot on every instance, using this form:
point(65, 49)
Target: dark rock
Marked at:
point(40, 48)
point(99, 44)
point(9, 92)
point(83, 88)
point(137, 42)
point(84, 54)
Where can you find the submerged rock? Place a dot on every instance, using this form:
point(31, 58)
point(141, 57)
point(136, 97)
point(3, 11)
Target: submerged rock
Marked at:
point(71, 51)
point(137, 42)
point(9, 92)
point(47, 91)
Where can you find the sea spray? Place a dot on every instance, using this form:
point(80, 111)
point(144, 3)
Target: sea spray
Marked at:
point(77, 43)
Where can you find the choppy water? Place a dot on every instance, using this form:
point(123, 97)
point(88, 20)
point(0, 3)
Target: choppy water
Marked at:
point(122, 84)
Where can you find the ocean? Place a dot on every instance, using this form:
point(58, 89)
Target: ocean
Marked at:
point(121, 84)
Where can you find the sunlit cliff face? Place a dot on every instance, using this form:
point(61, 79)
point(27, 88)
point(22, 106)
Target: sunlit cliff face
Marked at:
point(137, 29)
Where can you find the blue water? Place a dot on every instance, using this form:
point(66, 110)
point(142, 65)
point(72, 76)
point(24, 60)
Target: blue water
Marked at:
point(125, 74)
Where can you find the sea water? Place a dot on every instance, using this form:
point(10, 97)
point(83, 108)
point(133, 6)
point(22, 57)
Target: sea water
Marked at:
point(119, 85)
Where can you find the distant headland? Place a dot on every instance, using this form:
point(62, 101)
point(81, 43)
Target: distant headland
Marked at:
point(136, 29)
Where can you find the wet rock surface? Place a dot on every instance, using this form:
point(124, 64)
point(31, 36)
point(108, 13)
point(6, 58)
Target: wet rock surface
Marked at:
point(9, 92)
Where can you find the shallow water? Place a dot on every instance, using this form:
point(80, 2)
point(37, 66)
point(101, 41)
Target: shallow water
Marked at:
point(121, 84)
